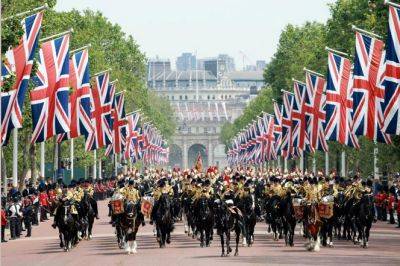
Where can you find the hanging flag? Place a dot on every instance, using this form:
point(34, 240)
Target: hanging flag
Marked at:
point(339, 102)
point(101, 113)
point(278, 127)
point(270, 143)
point(118, 125)
point(49, 99)
point(300, 119)
point(79, 78)
point(392, 75)
point(131, 148)
point(18, 63)
point(368, 92)
point(315, 128)
point(288, 99)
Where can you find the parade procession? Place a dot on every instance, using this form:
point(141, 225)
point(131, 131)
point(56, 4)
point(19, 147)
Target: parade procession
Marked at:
point(291, 161)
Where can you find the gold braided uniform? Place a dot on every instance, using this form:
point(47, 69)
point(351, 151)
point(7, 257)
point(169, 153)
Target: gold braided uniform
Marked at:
point(90, 190)
point(131, 194)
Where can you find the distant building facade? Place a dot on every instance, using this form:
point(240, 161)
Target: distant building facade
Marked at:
point(187, 61)
point(157, 66)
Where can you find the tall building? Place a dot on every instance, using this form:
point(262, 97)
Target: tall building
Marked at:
point(157, 67)
point(260, 65)
point(228, 61)
point(187, 61)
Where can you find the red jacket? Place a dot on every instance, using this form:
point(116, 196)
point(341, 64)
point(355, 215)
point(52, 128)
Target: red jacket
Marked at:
point(391, 200)
point(43, 199)
point(3, 217)
point(52, 194)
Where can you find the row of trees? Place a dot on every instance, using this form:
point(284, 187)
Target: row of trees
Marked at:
point(110, 48)
point(304, 46)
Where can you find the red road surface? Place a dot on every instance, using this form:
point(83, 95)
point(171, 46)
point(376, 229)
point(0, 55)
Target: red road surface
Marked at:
point(43, 249)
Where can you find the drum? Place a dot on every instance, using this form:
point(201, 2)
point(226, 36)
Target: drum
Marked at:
point(325, 210)
point(146, 207)
point(298, 208)
point(117, 206)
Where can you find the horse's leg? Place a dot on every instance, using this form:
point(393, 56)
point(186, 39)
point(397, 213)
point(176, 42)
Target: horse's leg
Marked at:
point(221, 236)
point(202, 238)
point(228, 242)
point(184, 221)
point(237, 231)
point(208, 237)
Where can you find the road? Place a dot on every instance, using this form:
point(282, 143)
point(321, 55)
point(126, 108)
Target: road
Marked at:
point(43, 249)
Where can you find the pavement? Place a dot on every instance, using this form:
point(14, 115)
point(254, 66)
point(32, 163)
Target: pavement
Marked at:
point(43, 249)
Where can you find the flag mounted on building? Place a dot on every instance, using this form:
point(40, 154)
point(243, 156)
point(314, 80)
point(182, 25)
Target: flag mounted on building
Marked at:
point(392, 75)
point(18, 62)
point(101, 113)
point(339, 102)
point(368, 92)
point(49, 99)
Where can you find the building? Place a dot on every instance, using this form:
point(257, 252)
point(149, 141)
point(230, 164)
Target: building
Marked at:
point(203, 102)
point(157, 66)
point(187, 61)
point(260, 65)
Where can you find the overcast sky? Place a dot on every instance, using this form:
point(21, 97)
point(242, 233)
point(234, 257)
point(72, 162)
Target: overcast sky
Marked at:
point(207, 27)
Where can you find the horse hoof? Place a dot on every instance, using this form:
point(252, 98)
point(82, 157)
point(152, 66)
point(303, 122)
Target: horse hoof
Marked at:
point(236, 254)
point(222, 255)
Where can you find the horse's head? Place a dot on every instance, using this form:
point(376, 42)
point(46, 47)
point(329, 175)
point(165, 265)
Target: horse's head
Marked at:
point(130, 210)
point(203, 207)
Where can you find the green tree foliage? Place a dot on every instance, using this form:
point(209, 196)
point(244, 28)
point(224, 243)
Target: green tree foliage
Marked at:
point(110, 48)
point(304, 46)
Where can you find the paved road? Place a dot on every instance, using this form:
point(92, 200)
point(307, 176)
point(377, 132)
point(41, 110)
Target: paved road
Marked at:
point(43, 249)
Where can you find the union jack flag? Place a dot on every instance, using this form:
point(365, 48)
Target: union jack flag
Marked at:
point(339, 102)
point(392, 75)
point(270, 143)
point(119, 125)
point(315, 127)
point(79, 77)
point(19, 62)
point(288, 99)
point(49, 99)
point(101, 113)
point(368, 92)
point(278, 127)
point(132, 150)
point(300, 118)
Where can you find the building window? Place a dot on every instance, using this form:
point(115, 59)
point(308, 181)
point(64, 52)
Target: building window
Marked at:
point(180, 97)
point(213, 97)
point(208, 97)
point(172, 97)
point(186, 97)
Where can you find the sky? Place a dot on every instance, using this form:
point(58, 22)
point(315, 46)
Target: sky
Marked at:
point(206, 27)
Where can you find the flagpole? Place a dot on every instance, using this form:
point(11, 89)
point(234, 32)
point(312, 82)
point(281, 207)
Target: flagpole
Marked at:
point(100, 170)
point(15, 158)
point(57, 35)
point(285, 165)
point(371, 34)
point(343, 164)
point(115, 164)
point(391, 4)
point(302, 162)
point(42, 158)
point(40, 8)
point(80, 49)
point(94, 164)
point(71, 157)
point(376, 169)
point(326, 163)
point(314, 165)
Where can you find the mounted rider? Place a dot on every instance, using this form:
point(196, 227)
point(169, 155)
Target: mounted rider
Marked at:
point(89, 190)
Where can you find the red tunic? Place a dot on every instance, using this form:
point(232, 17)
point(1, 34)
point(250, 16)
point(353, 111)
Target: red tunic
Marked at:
point(43, 199)
point(3, 217)
point(390, 205)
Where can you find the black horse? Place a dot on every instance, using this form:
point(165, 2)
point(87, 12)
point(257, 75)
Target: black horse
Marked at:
point(88, 216)
point(288, 219)
point(204, 220)
point(273, 216)
point(363, 218)
point(225, 222)
point(164, 220)
point(67, 226)
point(129, 225)
point(340, 215)
point(247, 206)
point(188, 214)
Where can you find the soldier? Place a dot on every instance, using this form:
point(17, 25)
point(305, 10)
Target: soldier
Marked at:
point(27, 212)
point(15, 215)
point(3, 219)
point(88, 188)
point(130, 193)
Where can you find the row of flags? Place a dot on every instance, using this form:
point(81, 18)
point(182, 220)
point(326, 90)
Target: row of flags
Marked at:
point(66, 104)
point(201, 111)
point(362, 99)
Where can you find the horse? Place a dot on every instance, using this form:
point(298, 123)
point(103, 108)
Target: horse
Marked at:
point(130, 222)
point(88, 216)
point(67, 226)
point(273, 216)
point(288, 219)
point(340, 215)
point(363, 218)
point(328, 223)
point(247, 206)
point(188, 215)
point(312, 226)
point(204, 220)
point(225, 222)
point(164, 220)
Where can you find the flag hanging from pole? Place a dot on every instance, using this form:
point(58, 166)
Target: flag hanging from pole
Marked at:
point(49, 99)
point(287, 124)
point(18, 62)
point(118, 125)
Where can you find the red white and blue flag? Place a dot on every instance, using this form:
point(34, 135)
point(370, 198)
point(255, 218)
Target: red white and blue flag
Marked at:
point(392, 75)
point(118, 124)
point(288, 99)
point(368, 92)
point(18, 62)
point(270, 139)
point(278, 109)
point(315, 127)
point(79, 77)
point(101, 113)
point(132, 149)
point(49, 99)
point(339, 102)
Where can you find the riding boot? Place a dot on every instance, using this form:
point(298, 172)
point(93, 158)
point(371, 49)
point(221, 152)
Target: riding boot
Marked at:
point(28, 227)
point(391, 219)
point(398, 220)
point(94, 206)
point(3, 229)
